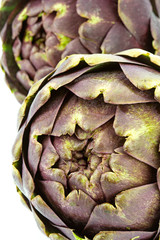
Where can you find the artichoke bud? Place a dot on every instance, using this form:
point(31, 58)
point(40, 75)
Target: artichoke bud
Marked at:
point(87, 155)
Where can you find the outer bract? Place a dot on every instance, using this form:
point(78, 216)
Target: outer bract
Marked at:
point(86, 159)
point(36, 34)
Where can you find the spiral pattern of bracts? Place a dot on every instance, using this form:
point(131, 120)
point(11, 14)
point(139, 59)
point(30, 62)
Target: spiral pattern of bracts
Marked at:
point(86, 159)
point(36, 34)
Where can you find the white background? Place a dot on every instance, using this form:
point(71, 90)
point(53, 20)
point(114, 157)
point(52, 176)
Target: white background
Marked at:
point(16, 221)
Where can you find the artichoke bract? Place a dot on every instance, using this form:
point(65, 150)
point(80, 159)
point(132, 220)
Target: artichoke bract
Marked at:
point(36, 34)
point(86, 157)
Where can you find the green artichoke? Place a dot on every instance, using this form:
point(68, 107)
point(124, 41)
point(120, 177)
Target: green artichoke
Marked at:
point(86, 159)
point(36, 34)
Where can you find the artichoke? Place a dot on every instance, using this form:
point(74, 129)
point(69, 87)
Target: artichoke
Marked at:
point(36, 34)
point(86, 157)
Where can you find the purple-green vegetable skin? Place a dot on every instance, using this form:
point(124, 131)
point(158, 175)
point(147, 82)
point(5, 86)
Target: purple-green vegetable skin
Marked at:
point(86, 159)
point(36, 34)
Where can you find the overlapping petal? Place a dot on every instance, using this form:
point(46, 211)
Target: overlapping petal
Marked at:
point(37, 34)
point(87, 155)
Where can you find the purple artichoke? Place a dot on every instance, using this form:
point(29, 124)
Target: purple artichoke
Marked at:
point(38, 33)
point(86, 159)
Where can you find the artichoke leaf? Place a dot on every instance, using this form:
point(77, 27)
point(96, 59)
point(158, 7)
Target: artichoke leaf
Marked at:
point(118, 235)
point(123, 214)
point(137, 125)
point(103, 82)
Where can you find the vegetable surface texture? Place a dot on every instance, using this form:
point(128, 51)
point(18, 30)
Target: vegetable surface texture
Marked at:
point(86, 158)
point(37, 34)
